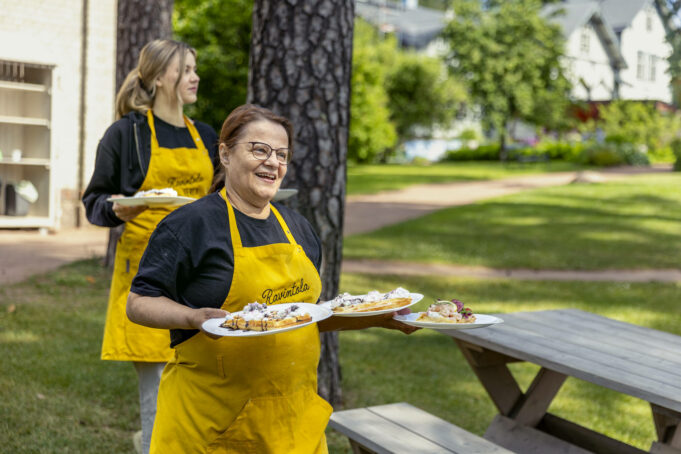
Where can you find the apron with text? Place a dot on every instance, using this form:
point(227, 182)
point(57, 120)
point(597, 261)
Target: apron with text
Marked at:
point(189, 171)
point(249, 394)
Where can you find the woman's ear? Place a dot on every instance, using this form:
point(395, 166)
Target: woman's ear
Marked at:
point(224, 154)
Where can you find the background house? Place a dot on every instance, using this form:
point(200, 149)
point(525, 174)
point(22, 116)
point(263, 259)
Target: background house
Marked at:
point(616, 49)
point(57, 81)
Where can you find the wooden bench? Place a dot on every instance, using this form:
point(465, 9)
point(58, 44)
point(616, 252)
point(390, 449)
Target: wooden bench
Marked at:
point(403, 428)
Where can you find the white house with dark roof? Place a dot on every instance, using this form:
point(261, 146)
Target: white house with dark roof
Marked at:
point(615, 49)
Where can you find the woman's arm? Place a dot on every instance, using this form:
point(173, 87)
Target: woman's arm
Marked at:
point(114, 175)
point(373, 321)
point(162, 312)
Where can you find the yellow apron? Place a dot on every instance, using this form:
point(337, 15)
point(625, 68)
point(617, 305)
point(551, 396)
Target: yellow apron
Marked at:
point(189, 171)
point(248, 394)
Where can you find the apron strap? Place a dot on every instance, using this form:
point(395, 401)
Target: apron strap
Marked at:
point(287, 231)
point(234, 231)
point(194, 133)
point(150, 120)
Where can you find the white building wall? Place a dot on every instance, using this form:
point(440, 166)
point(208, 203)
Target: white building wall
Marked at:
point(588, 66)
point(49, 32)
point(637, 38)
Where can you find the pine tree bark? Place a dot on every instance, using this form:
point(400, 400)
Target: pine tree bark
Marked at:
point(300, 67)
point(138, 22)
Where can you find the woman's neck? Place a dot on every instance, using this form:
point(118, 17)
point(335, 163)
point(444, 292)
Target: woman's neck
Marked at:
point(168, 110)
point(246, 207)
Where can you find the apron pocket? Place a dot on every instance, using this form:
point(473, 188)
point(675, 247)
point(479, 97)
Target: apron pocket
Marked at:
point(276, 425)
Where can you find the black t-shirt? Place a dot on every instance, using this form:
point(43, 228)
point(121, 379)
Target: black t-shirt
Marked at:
point(190, 259)
point(171, 136)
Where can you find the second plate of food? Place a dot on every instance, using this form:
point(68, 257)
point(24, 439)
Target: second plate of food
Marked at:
point(415, 298)
point(481, 321)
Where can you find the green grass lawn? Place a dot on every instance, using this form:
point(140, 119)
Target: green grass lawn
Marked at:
point(632, 223)
point(56, 396)
point(372, 178)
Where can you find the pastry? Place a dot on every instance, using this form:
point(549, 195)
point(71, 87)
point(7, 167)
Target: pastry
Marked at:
point(260, 317)
point(372, 301)
point(443, 311)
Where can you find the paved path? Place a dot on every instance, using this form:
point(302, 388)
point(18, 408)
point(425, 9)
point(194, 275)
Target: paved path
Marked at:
point(24, 252)
point(426, 269)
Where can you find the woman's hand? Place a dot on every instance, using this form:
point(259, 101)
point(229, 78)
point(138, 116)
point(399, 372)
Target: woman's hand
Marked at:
point(206, 313)
point(126, 213)
point(381, 321)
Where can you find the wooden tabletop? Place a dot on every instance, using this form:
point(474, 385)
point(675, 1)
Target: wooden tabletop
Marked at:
point(631, 359)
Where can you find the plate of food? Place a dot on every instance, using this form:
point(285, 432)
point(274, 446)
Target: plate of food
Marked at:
point(372, 303)
point(283, 194)
point(153, 197)
point(258, 319)
point(450, 314)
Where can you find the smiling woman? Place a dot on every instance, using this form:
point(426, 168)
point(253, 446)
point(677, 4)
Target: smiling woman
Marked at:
point(222, 253)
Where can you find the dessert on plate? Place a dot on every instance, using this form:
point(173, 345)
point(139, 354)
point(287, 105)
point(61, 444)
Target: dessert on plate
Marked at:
point(165, 192)
point(443, 311)
point(260, 317)
point(372, 301)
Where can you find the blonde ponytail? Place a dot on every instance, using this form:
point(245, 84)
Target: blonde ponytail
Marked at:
point(139, 87)
point(134, 95)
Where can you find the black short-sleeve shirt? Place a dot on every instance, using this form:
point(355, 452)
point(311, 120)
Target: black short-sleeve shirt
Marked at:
point(190, 259)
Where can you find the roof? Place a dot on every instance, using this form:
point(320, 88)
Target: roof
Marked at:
point(415, 27)
point(577, 13)
point(571, 16)
point(618, 13)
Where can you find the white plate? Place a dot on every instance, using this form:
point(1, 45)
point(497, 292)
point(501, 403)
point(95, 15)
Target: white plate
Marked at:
point(152, 201)
point(283, 194)
point(481, 320)
point(317, 312)
point(415, 298)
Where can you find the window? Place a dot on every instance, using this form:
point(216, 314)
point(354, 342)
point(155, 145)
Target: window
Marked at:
point(649, 20)
point(584, 40)
point(641, 66)
point(653, 61)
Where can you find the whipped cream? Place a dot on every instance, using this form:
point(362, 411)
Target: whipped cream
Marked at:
point(165, 192)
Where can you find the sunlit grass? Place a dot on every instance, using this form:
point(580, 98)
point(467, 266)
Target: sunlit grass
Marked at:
point(372, 178)
point(632, 223)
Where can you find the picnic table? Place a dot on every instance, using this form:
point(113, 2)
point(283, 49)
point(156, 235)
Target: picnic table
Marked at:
point(634, 360)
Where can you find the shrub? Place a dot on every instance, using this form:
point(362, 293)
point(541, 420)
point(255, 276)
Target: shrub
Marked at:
point(561, 151)
point(676, 149)
point(482, 153)
point(611, 154)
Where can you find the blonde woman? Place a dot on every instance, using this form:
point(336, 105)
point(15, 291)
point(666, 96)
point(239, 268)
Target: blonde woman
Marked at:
point(152, 145)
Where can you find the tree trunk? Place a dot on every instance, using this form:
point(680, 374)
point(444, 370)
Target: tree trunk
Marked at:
point(503, 152)
point(139, 21)
point(300, 67)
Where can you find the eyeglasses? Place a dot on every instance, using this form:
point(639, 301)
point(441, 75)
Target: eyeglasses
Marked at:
point(262, 152)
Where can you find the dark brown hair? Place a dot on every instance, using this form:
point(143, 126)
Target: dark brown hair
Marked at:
point(233, 128)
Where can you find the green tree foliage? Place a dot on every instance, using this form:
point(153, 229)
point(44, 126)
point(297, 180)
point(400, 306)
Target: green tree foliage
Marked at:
point(670, 11)
point(220, 32)
point(421, 95)
point(510, 58)
point(371, 132)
